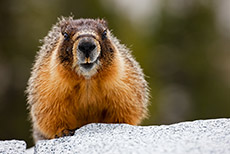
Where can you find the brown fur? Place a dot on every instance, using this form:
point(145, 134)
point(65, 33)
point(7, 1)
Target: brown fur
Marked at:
point(61, 100)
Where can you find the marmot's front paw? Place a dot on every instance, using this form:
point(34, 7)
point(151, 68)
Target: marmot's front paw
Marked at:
point(65, 132)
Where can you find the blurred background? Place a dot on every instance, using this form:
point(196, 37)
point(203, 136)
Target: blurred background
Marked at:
point(183, 47)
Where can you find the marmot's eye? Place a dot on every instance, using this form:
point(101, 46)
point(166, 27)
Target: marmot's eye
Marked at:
point(104, 34)
point(66, 36)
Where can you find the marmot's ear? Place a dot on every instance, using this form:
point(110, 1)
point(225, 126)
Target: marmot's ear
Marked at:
point(63, 23)
point(63, 26)
point(103, 22)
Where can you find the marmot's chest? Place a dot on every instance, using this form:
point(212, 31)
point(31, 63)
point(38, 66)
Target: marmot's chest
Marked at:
point(62, 106)
point(89, 104)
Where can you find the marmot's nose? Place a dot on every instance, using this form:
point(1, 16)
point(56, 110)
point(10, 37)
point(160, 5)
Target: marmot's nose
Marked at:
point(86, 47)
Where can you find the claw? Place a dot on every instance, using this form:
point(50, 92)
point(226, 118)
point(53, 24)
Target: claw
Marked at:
point(65, 132)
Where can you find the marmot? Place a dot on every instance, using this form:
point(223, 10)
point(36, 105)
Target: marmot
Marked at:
point(81, 75)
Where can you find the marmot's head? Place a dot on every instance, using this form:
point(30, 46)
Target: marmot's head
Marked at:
point(85, 46)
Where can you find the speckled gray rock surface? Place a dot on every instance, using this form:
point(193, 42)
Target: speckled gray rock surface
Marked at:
point(12, 147)
point(201, 136)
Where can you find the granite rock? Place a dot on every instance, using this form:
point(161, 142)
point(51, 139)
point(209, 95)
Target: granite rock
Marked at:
point(12, 147)
point(201, 136)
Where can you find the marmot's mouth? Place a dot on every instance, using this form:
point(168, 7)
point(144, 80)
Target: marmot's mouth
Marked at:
point(87, 66)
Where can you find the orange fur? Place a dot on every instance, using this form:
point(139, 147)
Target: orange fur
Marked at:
point(65, 101)
point(60, 99)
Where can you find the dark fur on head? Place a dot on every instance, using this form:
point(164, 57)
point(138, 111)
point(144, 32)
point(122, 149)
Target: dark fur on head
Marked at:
point(70, 28)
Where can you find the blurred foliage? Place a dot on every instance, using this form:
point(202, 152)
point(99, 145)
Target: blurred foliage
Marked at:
point(181, 55)
point(185, 48)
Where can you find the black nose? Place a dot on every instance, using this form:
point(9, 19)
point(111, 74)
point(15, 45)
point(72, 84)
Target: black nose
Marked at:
point(86, 47)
